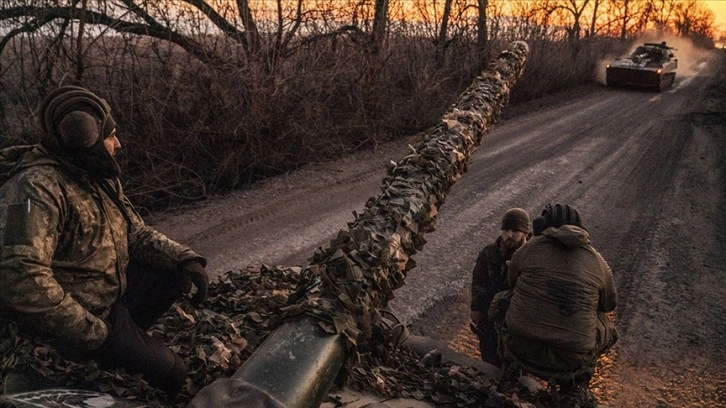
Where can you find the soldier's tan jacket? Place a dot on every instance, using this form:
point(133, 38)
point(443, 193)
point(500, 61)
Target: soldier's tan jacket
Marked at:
point(65, 247)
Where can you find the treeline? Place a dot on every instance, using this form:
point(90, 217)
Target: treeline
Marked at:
point(212, 95)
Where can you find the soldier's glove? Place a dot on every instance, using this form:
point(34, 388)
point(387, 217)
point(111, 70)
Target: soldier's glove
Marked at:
point(193, 272)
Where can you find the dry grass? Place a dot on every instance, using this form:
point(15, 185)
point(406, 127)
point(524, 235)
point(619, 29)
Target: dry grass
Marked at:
point(190, 130)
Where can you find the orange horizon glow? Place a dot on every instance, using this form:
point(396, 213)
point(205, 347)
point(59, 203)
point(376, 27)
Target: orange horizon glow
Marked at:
point(433, 9)
point(719, 11)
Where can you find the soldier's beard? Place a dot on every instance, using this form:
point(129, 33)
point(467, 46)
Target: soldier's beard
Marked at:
point(97, 162)
point(508, 247)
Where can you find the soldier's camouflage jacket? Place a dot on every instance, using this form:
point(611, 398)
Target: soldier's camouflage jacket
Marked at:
point(65, 246)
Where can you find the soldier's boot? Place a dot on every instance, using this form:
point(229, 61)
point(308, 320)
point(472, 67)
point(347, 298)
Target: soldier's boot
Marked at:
point(577, 394)
point(509, 379)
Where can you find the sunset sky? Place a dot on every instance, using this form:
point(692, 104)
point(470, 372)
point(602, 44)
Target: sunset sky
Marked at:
point(719, 9)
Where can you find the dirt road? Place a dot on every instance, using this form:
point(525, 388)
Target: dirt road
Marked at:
point(645, 170)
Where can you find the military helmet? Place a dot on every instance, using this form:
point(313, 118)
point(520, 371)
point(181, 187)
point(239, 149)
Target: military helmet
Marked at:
point(75, 122)
point(77, 117)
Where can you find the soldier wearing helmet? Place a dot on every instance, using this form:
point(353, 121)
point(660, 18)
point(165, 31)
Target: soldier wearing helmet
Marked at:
point(79, 268)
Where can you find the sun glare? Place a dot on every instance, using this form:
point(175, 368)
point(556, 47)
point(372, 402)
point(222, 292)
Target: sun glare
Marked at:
point(719, 10)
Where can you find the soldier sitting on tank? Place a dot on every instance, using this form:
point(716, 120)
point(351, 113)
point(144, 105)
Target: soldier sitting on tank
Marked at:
point(656, 55)
point(79, 268)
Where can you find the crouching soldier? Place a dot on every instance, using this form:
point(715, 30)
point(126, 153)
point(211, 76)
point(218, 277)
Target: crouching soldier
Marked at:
point(557, 323)
point(490, 276)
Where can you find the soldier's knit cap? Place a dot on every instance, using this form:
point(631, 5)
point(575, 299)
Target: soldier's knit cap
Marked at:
point(516, 219)
point(77, 117)
point(556, 216)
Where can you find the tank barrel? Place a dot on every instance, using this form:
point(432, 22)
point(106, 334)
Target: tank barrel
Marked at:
point(341, 293)
point(297, 363)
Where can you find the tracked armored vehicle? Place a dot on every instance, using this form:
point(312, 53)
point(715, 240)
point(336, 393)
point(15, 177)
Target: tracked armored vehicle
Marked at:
point(651, 66)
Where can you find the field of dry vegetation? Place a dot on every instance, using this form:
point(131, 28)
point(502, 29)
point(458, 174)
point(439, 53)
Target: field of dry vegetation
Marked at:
point(201, 114)
point(190, 130)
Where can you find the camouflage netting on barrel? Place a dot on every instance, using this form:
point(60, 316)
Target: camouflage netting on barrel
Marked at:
point(345, 287)
point(347, 284)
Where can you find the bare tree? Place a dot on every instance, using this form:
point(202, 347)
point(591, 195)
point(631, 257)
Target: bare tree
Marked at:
point(380, 22)
point(623, 18)
point(595, 16)
point(445, 16)
point(572, 12)
point(660, 12)
point(626, 16)
point(532, 20)
point(235, 21)
point(482, 32)
point(27, 17)
point(252, 34)
point(692, 18)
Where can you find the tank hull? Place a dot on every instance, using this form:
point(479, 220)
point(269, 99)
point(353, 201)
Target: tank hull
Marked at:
point(641, 78)
point(650, 66)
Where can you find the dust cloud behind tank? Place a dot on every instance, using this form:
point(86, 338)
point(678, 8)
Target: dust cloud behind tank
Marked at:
point(650, 66)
